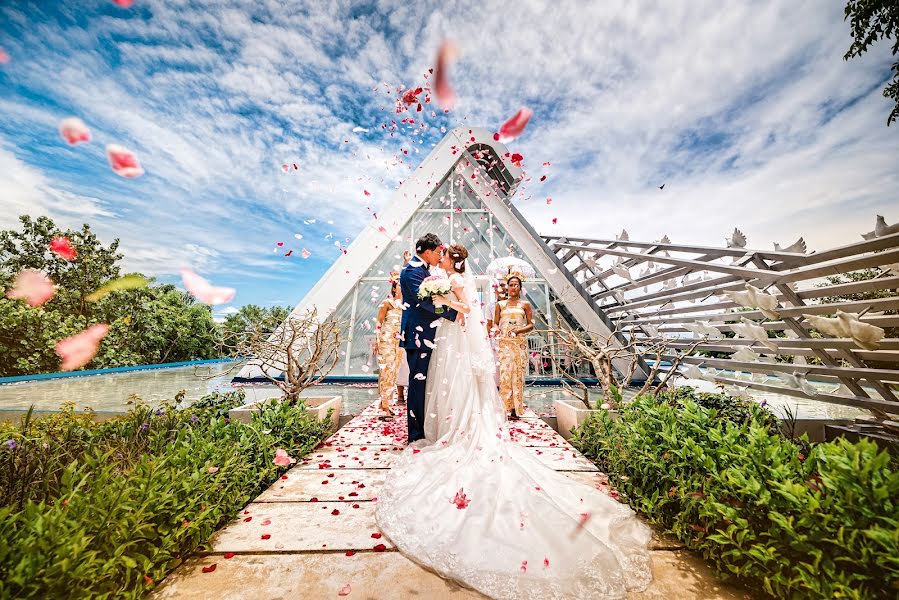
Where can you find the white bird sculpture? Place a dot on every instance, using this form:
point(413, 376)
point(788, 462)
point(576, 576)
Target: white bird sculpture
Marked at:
point(736, 240)
point(798, 381)
point(622, 272)
point(753, 297)
point(652, 331)
point(797, 246)
point(623, 237)
point(665, 239)
point(881, 228)
point(691, 371)
point(751, 330)
point(848, 325)
point(745, 354)
point(703, 329)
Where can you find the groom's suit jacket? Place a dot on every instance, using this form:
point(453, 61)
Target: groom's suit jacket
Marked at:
point(419, 314)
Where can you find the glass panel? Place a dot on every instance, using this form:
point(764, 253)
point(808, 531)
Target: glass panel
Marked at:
point(476, 230)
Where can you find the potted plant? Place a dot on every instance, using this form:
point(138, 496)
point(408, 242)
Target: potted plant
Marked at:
point(300, 353)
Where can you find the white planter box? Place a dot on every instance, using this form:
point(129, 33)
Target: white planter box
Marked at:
point(316, 406)
point(572, 413)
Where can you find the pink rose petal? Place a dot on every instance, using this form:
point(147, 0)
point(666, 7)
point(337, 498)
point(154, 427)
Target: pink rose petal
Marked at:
point(514, 127)
point(203, 291)
point(282, 459)
point(123, 3)
point(123, 161)
point(32, 286)
point(74, 131)
point(305, 253)
point(78, 350)
point(345, 590)
point(446, 95)
point(62, 247)
point(213, 469)
point(4, 57)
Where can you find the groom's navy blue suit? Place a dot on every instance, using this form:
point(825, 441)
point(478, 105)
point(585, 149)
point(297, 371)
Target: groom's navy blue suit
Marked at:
point(415, 329)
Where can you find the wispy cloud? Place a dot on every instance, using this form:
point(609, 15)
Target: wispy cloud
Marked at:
point(746, 111)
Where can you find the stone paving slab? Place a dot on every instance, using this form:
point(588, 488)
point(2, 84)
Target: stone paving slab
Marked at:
point(302, 485)
point(364, 436)
point(391, 576)
point(300, 527)
point(351, 457)
point(537, 436)
point(563, 459)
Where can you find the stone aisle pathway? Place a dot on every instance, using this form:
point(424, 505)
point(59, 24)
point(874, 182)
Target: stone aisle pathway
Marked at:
point(313, 534)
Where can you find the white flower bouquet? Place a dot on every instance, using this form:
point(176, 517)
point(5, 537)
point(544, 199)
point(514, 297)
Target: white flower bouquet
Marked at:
point(434, 285)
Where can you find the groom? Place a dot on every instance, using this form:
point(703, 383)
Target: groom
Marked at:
point(416, 328)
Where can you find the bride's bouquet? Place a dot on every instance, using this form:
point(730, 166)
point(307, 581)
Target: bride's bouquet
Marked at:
point(434, 285)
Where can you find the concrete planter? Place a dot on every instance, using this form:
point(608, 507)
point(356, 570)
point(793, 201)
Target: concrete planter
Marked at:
point(572, 413)
point(316, 406)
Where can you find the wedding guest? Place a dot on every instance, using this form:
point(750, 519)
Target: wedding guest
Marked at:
point(390, 356)
point(499, 293)
point(515, 319)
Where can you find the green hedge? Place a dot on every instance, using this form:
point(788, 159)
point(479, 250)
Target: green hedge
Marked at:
point(105, 510)
point(794, 519)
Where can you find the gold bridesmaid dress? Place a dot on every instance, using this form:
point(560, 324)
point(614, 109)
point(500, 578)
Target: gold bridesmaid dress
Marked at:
point(513, 352)
point(390, 355)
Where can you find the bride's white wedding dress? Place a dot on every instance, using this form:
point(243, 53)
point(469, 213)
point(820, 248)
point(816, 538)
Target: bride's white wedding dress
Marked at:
point(476, 507)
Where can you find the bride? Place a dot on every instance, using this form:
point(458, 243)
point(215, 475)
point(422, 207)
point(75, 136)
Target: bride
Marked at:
point(474, 506)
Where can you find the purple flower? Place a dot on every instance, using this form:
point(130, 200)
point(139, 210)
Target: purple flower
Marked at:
point(11, 444)
point(144, 426)
point(763, 403)
point(158, 412)
point(194, 419)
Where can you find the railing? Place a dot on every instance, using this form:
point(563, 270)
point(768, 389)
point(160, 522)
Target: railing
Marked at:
point(688, 293)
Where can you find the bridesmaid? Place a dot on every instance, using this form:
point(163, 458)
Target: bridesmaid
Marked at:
point(515, 318)
point(390, 355)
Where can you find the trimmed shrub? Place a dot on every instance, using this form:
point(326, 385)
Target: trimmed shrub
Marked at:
point(105, 510)
point(819, 525)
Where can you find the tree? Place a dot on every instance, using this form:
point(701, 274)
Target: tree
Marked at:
point(872, 20)
point(250, 317)
point(149, 325)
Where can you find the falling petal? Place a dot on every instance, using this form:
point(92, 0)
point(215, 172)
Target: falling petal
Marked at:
point(78, 350)
point(32, 286)
point(127, 4)
point(446, 95)
point(514, 127)
point(4, 57)
point(74, 131)
point(203, 291)
point(123, 161)
point(128, 282)
point(62, 247)
point(305, 253)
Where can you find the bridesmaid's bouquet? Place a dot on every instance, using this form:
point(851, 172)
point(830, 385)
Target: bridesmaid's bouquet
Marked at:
point(434, 285)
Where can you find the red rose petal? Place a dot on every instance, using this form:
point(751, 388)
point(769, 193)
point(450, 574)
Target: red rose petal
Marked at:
point(229, 555)
point(210, 568)
point(335, 512)
point(266, 536)
point(350, 553)
point(376, 536)
point(380, 548)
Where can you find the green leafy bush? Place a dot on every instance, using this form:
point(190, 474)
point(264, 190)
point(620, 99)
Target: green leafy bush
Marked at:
point(818, 525)
point(103, 510)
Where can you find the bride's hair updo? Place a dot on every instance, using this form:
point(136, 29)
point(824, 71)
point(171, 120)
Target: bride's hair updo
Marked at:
point(458, 254)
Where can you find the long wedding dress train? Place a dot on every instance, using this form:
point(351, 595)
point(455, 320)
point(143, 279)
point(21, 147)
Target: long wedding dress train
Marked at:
point(476, 507)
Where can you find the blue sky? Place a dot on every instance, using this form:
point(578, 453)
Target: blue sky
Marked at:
point(745, 110)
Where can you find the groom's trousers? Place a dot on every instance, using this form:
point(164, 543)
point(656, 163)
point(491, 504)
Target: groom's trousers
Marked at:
point(418, 360)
